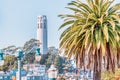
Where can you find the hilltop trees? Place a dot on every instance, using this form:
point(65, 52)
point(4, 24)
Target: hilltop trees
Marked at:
point(92, 31)
point(10, 63)
point(57, 60)
point(29, 50)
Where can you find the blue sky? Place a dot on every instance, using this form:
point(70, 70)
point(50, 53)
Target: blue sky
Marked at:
point(18, 20)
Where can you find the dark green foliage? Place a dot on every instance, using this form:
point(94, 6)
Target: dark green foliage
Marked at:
point(30, 49)
point(11, 60)
point(44, 58)
point(48, 59)
point(29, 58)
point(57, 60)
point(10, 63)
point(30, 44)
point(59, 63)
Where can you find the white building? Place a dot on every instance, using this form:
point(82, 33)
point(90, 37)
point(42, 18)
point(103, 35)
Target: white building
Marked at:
point(38, 72)
point(42, 33)
point(4, 76)
point(36, 68)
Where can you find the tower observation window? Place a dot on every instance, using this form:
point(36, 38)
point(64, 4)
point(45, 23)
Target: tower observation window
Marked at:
point(40, 25)
point(44, 25)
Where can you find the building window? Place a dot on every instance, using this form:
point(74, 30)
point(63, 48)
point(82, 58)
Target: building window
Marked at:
point(40, 25)
point(44, 25)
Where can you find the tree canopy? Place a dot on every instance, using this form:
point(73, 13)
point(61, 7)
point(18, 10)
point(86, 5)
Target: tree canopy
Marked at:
point(91, 32)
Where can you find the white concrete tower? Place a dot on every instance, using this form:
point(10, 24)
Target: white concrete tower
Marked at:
point(42, 33)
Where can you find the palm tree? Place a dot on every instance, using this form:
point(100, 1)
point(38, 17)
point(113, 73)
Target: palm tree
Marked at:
point(92, 32)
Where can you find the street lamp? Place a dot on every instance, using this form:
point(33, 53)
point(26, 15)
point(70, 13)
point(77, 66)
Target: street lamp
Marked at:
point(1, 58)
point(19, 55)
point(38, 55)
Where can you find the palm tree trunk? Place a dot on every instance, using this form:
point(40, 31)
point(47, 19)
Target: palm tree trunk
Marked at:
point(97, 65)
point(78, 61)
point(118, 58)
point(110, 59)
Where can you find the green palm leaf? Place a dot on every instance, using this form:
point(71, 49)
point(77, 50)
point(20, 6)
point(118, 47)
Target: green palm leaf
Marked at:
point(92, 31)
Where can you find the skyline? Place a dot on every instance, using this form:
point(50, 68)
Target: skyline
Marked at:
point(18, 20)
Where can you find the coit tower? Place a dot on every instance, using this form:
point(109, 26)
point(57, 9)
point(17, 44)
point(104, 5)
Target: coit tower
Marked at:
point(42, 33)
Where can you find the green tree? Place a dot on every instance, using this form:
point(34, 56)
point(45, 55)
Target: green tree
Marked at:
point(30, 45)
point(30, 49)
point(9, 63)
point(44, 58)
point(59, 63)
point(29, 57)
point(50, 60)
point(91, 32)
point(11, 50)
point(57, 60)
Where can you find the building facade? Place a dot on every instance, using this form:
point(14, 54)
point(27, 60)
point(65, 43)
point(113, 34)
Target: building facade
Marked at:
point(42, 33)
point(38, 72)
